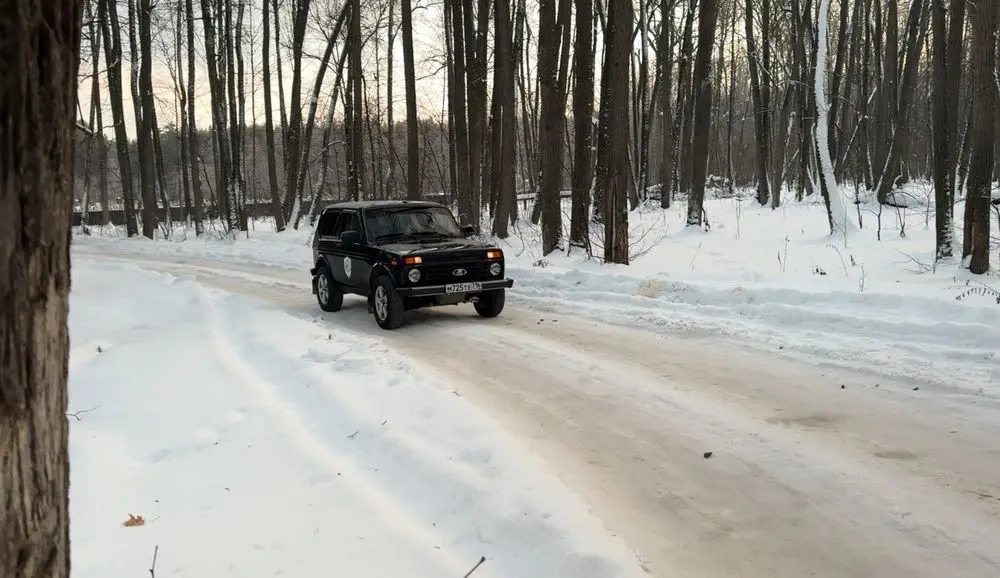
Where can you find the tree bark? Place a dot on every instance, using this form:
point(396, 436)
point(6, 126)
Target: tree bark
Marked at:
point(983, 15)
point(504, 128)
point(41, 53)
point(702, 96)
point(272, 155)
point(583, 123)
point(614, 128)
point(111, 31)
point(413, 191)
point(550, 134)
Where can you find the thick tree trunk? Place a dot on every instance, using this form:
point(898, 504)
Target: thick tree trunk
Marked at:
point(550, 134)
point(947, 76)
point(984, 101)
point(40, 51)
point(614, 128)
point(504, 135)
point(702, 96)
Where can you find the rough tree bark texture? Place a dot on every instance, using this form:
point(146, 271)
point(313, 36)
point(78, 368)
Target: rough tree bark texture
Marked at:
point(38, 63)
point(984, 62)
point(614, 129)
point(702, 96)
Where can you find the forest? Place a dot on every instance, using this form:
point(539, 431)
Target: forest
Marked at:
point(225, 111)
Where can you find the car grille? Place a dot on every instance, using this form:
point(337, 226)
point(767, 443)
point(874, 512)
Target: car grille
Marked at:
point(441, 273)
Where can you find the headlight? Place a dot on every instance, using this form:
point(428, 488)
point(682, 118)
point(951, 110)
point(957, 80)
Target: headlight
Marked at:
point(495, 269)
point(413, 275)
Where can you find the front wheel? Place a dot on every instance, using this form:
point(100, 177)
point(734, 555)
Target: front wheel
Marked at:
point(387, 305)
point(490, 303)
point(329, 295)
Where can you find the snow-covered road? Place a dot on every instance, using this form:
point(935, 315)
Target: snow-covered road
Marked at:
point(812, 472)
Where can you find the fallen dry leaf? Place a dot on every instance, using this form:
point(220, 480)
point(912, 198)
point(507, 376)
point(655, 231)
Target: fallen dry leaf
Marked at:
point(133, 521)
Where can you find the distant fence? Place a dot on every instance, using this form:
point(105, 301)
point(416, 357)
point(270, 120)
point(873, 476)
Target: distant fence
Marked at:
point(117, 216)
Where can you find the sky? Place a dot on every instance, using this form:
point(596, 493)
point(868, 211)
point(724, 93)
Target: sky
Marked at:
point(428, 48)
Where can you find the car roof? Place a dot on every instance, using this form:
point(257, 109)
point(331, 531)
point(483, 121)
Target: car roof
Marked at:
point(378, 204)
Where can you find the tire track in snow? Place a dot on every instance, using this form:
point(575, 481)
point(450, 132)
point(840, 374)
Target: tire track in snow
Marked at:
point(430, 446)
point(294, 420)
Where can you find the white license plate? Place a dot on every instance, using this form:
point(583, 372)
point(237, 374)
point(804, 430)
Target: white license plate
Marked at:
point(463, 287)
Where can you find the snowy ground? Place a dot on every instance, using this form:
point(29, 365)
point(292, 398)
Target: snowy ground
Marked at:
point(756, 400)
point(255, 442)
point(767, 279)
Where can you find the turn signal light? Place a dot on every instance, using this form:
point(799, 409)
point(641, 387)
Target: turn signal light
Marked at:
point(413, 260)
point(494, 254)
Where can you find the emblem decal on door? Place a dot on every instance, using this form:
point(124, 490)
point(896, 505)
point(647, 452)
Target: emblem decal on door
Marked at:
point(347, 267)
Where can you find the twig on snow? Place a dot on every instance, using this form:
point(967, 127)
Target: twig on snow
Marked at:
point(152, 567)
point(76, 415)
point(474, 568)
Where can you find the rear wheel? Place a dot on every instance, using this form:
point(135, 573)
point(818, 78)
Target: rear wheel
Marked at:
point(387, 305)
point(490, 303)
point(329, 295)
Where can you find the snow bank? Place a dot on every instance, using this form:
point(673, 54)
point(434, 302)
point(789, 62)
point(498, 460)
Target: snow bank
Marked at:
point(256, 443)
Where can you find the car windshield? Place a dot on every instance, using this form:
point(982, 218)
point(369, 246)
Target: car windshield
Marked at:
point(411, 222)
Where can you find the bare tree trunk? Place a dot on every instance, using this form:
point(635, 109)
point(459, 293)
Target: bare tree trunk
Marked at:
point(41, 53)
point(293, 135)
point(279, 68)
point(665, 62)
point(181, 94)
point(356, 159)
point(902, 105)
point(314, 101)
point(199, 199)
point(147, 184)
point(761, 104)
point(272, 155)
point(583, 123)
point(553, 117)
point(461, 128)
point(111, 32)
point(413, 185)
point(614, 130)
point(390, 120)
point(947, 60)
point(983, 16)
point(702, 95)
point(98, 126)
point(218, 102)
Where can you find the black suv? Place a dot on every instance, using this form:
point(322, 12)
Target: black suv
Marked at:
point(403, 255)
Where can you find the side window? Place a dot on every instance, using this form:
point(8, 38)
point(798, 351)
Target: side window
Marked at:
point(348, 221)
point(327, 226)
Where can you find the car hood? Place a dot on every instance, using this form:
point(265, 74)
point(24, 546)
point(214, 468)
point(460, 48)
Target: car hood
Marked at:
point(432, 247)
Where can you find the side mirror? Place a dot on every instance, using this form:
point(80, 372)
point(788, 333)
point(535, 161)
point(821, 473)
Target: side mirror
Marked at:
point(350, 237)
point(468, 230)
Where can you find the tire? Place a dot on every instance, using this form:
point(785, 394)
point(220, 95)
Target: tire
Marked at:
point(329, 295)
point(491, 303)
point(387, 305)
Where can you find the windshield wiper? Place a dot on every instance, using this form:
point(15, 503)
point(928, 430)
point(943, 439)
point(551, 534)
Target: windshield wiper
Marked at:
point(396, 235)
point(436, 234)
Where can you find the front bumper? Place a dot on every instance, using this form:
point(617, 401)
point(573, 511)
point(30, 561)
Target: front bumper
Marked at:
point(437, 290)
